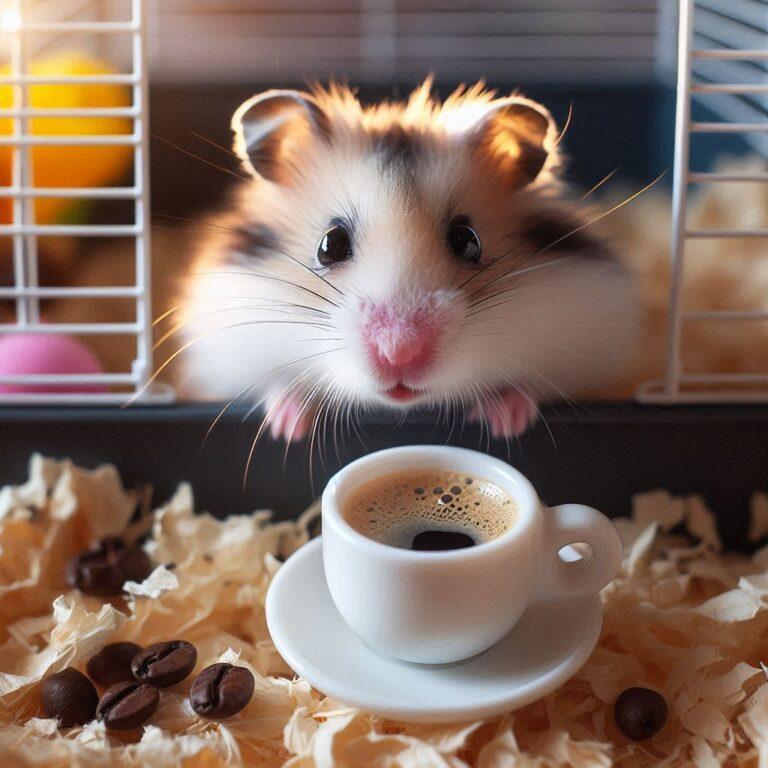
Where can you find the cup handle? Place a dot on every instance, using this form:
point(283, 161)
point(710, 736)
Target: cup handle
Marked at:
point(571, 524)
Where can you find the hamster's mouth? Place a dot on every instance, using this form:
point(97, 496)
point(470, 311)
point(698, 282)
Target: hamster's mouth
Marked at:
point(401, 393)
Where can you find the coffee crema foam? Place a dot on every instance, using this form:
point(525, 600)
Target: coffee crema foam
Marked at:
point(395, 508)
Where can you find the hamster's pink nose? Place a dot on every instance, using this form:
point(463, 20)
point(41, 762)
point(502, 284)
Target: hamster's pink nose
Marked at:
point(400, 345)
point(403, 348)
point(400, 341)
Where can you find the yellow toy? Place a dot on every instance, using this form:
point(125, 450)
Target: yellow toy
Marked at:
point(67, 166)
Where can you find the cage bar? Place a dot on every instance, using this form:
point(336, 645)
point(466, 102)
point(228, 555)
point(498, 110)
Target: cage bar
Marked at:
point(78, 192)
point(678, 385)
point(76, 230)
point(72, 141)
point(115, 79)
point(21, 27)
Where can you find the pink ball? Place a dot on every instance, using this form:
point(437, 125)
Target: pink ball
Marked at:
point(24, 354)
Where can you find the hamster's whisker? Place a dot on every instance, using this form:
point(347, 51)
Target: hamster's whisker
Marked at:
point(563, 395)
point(337, 403)
point(503, 292)
point(493, 262)
point(304, 405)
point(328, 416)
point(351, 214)
point(508, 276)
point(560, 239)
point(567, 124)
point(521, 391)
point(296, 380)
point(170, 333)
point(173, 356)
point(313, 435)
point(272, 247)
point(173, 310)
point(268, 413)
point(168, 312)
point(498, 402)
point(218, 167)
point(453, 410)
point(485, 421)
point(214, 144)
point(221, 413)
point(164, 365)
point(338, 415)
point(266, 277)
point(476, 392)
point(600, 183)
point(601, 366)
point(256, 383)
point(329, 424)
point(355, 421)
point(181, 324)
point(254, 238)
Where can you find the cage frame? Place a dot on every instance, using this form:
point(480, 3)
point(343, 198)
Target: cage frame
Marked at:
point(724, 386)
point(24, 230)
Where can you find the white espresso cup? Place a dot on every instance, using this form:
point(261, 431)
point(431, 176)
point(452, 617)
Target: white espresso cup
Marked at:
point(437, 607)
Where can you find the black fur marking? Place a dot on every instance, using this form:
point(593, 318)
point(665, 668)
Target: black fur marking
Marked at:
point(396, 145)
point(553, 234)
point(254, 240)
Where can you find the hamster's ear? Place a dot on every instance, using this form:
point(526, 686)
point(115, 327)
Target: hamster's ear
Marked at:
point(520, 136)
point(267, 124)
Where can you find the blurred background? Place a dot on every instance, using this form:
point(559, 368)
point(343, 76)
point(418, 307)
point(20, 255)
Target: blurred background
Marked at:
point(607, 60)
point(605, 68)
point(612, 62)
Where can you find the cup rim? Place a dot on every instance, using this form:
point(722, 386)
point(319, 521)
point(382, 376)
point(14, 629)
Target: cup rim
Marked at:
point(517, 485)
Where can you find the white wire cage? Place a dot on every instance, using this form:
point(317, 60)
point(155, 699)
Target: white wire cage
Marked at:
point(722, 57)
point(116, 30)
point(723, 62)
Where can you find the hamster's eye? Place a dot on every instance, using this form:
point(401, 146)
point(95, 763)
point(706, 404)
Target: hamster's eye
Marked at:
point(463, 240)
point(335, 246)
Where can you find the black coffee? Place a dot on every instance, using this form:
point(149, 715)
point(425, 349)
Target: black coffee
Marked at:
point(436, 541)
point(430, 510)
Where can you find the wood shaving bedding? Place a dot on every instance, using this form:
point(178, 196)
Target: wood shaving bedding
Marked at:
point(682, 618)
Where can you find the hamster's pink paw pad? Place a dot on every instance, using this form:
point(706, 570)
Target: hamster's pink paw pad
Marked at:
point(507, 415)
point(289, 417)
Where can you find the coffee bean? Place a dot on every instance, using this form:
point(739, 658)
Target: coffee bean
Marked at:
point(136, 564)
point(95, 571)
point(164, 664)
point(221, 690)
point(112, 664)
point(127, 705)
point(69, 696)
point(106, 566)
point(436, 541)
point(640, 713)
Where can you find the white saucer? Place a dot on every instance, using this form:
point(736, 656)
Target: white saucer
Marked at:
point(547, 646)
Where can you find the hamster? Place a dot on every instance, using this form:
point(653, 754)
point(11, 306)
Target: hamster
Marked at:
point(405, 254)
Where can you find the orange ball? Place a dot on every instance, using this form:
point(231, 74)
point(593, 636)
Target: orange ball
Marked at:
point(67, 165)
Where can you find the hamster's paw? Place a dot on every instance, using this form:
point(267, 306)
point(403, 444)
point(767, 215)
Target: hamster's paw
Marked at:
point(507, 414)
point(289, 417)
